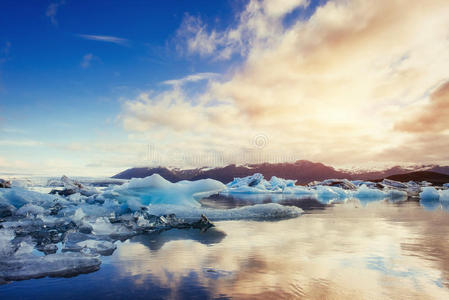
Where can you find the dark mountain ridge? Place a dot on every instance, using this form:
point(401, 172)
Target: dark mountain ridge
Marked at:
point(303, 171)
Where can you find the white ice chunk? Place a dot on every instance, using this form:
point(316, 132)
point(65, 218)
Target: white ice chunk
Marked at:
point(26, 246)
point(97, 246)
point(102, 226)
point(78, 215)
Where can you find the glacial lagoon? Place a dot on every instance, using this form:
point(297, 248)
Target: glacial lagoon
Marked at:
point(337, 248)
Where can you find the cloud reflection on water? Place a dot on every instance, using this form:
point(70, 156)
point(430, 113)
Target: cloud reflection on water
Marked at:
point(377, 250)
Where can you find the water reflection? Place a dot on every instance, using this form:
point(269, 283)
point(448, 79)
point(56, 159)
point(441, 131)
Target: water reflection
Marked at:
point(306, 202)
point(155, 241)
point(433, 204)
point(375, 250)
point(356, 249)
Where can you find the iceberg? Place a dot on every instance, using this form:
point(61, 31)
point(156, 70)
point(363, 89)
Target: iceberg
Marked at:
point(257, 184)
point(154, 189)
point(429, 194)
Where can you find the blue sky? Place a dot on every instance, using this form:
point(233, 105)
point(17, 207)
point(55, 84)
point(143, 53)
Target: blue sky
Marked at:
point(47, 93)
point(87, 86)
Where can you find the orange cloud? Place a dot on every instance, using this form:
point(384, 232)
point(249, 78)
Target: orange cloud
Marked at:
point(433, 117)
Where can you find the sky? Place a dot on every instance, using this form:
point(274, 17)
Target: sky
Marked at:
point(94, 87)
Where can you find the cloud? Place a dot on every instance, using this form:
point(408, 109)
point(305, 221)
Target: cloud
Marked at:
point(85, 62)
point(431, 116)
point(105, 38)
point(191, 78)
point(21, 143)
point(259, 24)
point(52, 11)
point(333, 88)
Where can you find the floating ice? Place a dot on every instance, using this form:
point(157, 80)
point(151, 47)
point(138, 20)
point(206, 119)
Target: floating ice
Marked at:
point(365, 192)
point(269, 211)
point(324, 191)
point(30, 209)
point(340, 183)
point(444, 195)
point(429, 193)
point(100, 247)
point(257, 184)
point(154, 189)
point(62, 264)
point(18, 197)
point(6, 247)
point(86, 221)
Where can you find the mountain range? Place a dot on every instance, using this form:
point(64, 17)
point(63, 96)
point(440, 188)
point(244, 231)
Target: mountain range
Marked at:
point(303, 171)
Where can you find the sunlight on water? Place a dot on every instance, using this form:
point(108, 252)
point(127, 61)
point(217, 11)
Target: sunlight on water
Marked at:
point(379, 251)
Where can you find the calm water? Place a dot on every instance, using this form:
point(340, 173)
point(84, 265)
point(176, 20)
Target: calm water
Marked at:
point(377, 250)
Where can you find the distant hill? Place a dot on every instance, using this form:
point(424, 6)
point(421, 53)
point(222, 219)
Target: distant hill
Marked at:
point(429, 176)
point(303, 171)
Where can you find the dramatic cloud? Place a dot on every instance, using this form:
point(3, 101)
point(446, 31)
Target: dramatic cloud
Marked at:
point(432, 116)
point(105, 38)
point(342, 86)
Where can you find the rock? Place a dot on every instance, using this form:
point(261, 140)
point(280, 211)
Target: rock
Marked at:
point(5, 184)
